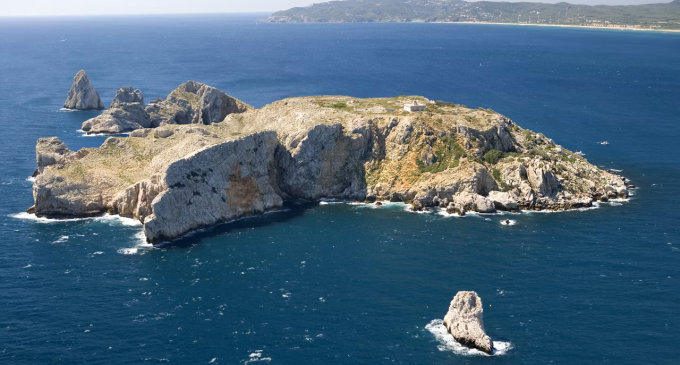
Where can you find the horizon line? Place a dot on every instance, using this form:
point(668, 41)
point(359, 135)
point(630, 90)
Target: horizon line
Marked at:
point(133, 14)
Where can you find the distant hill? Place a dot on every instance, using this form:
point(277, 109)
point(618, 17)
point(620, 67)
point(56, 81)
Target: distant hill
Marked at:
point(657, 16)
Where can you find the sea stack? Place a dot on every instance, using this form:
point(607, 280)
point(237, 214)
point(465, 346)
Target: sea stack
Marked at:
point(82, 95)
point(464, 321)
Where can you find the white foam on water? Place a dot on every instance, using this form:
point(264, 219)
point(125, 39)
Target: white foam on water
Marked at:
point(407, 208)
point(104, 218)
point(33, 217)
point(61, 239)
point(98, 253)
point(508, 222)
point(128, 251)
point(443, 213)
point(67, 110)
point(256, 356)
point(30, 179)
point(141, 247)
point(27, 266)
point(447, 343)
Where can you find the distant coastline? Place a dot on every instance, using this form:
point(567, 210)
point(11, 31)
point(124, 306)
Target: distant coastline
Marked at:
point(656, 17)
point(498, 23)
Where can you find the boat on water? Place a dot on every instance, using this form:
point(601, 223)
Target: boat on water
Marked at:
point(579, 153)
point(603, 143)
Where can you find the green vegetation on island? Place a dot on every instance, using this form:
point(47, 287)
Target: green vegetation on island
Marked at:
point(650, 16)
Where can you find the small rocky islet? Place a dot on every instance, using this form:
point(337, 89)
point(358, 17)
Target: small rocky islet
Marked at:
point(201, 157)
point(464, 321)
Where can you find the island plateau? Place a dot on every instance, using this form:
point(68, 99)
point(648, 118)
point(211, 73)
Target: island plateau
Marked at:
point(202, 157)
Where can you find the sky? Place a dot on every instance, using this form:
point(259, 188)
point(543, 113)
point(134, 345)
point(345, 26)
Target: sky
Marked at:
point(90, 7)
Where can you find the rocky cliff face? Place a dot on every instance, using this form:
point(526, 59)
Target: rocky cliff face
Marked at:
point(220, 183)
point(465, 323)
point(309, 148)
point(125, 114)
point(82, 95)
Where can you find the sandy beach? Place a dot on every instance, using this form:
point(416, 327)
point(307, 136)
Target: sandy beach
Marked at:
point(571, 26)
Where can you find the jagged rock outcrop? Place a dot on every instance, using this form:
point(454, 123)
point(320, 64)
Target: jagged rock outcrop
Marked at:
point(82, 95)
point(503, 201)
point(52, 151)
point(176, 178)
point(541, 177)
point(465, 323)
point(135, 201)
point(474, 202)
point(217, 184)
point(125, 114)
point(194, 103)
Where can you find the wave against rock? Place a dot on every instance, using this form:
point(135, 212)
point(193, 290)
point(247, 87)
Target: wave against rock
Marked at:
point(243, 161)
point(82, 95)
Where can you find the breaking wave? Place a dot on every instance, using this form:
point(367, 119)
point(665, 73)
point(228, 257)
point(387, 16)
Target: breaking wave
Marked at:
point(447, 343)
point(104, 218)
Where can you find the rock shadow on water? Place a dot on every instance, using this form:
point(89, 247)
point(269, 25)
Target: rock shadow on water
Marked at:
point(286, 213)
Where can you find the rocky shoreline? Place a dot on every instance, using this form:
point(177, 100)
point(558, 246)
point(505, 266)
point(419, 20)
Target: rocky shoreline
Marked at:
point(203, 157)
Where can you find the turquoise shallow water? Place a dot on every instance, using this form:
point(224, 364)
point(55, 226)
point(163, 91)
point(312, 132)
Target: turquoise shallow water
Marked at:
point(338, 283)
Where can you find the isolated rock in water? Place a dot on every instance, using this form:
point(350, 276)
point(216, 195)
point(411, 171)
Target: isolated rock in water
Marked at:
point(464, 321)
point(125, 114)
point(82, 95)
point(194, 103)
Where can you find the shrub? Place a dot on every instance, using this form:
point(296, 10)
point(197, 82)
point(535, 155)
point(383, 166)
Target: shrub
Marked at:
point(496, 173)
point(447, 155)
point(493, 156)
point(338, 105)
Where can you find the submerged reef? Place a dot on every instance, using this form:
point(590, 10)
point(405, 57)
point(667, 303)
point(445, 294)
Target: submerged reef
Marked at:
point(206, 158)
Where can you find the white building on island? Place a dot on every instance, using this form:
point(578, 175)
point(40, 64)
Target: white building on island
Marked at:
point(415, 107)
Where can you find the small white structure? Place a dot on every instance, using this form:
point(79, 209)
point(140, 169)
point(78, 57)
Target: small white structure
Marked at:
point(415, 107)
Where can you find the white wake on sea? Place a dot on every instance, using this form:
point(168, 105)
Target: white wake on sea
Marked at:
point(447, 343)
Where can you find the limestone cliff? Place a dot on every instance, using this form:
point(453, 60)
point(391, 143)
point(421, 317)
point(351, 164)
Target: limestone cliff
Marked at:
point(82, 95)
point(253, 160)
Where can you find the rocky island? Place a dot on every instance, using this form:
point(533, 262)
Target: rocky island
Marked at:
point(465, 323)
point(204, 157)
point(82, 95)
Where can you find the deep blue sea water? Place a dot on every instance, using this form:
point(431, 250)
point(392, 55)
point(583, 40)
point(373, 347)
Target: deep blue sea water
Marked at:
point(337, 283)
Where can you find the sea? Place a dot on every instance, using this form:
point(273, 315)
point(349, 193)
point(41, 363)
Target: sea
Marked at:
point(337, 282)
